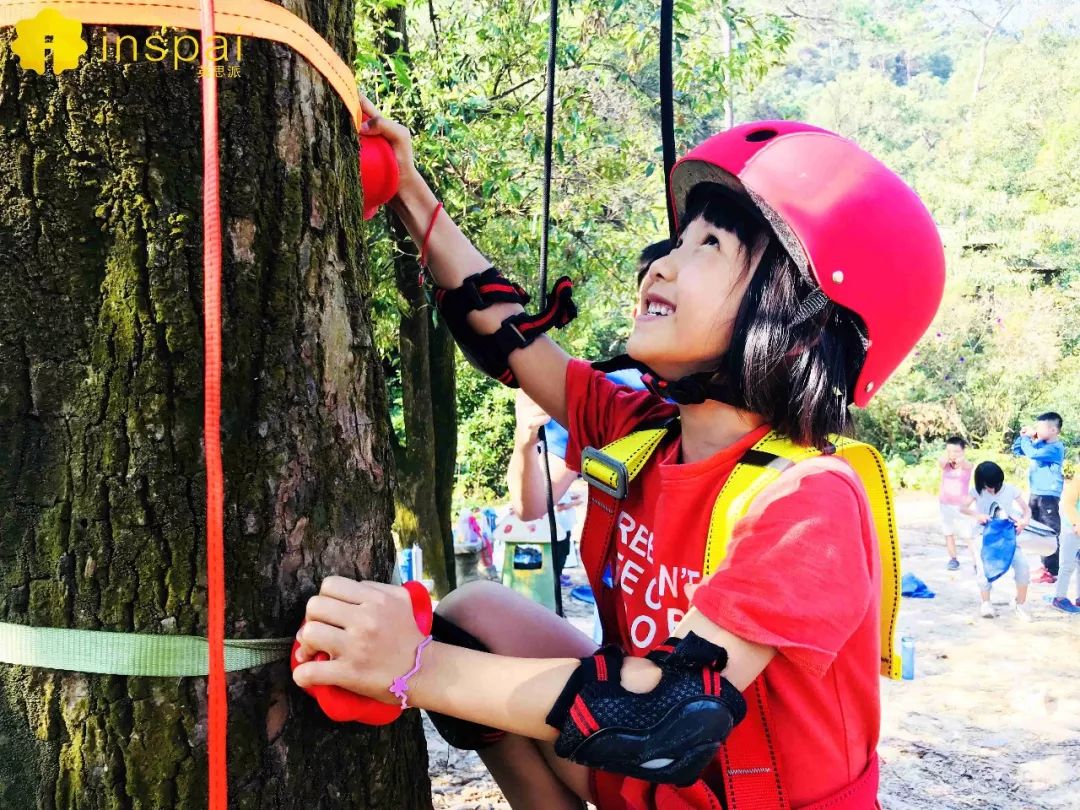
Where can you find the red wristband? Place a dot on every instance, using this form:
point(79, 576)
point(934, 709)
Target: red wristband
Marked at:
point(427, 235)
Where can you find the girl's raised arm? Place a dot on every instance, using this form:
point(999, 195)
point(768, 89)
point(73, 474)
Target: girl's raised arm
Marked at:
point(540, 368)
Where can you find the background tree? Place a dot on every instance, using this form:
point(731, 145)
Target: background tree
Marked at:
point(101, 473)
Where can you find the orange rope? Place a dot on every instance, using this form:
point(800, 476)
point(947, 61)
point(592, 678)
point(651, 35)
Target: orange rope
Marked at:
point(215, 545)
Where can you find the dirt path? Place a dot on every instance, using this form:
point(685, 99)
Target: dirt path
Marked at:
point(991, 721)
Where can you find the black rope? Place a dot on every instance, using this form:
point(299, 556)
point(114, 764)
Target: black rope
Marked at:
point(667, 106)
point(549, 133)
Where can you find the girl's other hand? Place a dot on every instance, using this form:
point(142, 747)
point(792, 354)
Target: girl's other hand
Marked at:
point(529, 417)
point(367, 629)
point(983, 519)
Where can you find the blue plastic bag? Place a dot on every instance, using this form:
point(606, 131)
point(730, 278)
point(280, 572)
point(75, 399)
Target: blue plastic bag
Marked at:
point(915, 588)
point(998, 547)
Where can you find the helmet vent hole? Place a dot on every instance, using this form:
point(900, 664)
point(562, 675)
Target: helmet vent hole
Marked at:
point(759, 135)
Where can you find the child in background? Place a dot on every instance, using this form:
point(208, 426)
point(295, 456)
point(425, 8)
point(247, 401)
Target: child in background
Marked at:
point(990, 498)
point(1045, 480)
point(1070, 544)
point(953, 495)
point(478, 527)
point(566, 520)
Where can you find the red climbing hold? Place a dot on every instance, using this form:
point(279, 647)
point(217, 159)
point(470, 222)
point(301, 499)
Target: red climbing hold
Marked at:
point(378, 172)
point(342, 705)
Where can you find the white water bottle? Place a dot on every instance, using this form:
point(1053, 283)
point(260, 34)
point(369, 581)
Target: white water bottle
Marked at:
point(417, 556)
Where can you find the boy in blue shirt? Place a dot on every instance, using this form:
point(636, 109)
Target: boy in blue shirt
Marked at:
point(1045, 477)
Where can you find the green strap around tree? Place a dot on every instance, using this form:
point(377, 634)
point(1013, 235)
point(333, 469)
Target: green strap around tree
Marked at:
point(129, 653)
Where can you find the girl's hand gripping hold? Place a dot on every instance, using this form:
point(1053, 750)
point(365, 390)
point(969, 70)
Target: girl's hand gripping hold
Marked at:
point(362, 637)
point(397, 136)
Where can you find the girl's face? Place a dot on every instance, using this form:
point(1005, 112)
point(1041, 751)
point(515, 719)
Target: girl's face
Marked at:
point(688, 301)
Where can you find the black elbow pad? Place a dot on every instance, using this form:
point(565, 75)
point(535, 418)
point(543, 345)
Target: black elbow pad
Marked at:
point(668, 735)
point(491, 353)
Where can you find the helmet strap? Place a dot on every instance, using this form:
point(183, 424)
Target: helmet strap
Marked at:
point(692, 389)
point(811, 306)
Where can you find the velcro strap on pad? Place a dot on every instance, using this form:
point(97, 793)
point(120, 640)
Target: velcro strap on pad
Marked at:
point(692, 652)
point(490, 353)
point(479, 291)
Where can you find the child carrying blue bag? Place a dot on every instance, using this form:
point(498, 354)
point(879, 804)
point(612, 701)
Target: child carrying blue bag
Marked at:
point(998, 547)
point(993, 504)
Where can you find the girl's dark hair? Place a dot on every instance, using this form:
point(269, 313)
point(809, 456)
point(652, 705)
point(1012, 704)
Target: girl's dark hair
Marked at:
point(791, 361)
point(989, 474)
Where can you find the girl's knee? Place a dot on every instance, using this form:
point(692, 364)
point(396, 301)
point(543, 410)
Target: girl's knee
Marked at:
point(483, 608)
point(472, 598)
point(510, 624)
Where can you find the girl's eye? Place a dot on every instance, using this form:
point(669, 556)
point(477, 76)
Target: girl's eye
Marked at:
point(712, 240)
point(678, 244)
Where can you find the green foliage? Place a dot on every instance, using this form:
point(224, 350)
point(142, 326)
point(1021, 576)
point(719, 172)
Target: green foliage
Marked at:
point(471, 91)
point(485, 436)
point(996, 166)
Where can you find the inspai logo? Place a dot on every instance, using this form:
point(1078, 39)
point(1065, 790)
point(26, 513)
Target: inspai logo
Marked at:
point(49, 31)
point(52, 31)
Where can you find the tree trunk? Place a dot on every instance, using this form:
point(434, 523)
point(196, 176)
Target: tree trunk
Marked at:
point(422, 495)
point(444, 392)
point(425, 462)
point(101, 472)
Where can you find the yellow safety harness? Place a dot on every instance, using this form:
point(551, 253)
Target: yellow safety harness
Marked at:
point(749, 759)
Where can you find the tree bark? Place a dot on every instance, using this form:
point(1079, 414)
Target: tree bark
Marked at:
point(444, 392)
point(101, 473)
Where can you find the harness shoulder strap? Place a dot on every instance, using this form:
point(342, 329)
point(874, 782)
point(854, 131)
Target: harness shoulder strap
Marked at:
point(763, 464)
point(758, 467)
point(617, 464)
point(870, 467)
point(608, 472)
point(751, 766)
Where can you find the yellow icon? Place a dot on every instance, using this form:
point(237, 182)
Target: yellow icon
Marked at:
point(49, 31)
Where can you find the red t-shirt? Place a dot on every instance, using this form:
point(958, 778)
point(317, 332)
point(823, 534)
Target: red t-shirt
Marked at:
point(802, 575)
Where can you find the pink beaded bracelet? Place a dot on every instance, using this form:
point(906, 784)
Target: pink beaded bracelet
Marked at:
point(400, 686)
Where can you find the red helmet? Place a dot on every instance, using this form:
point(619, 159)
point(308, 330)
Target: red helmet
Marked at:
point(841, 214)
